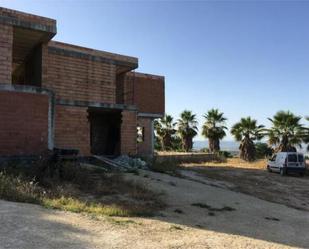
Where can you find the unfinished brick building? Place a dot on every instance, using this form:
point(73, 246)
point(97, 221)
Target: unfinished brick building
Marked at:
point(54, 94)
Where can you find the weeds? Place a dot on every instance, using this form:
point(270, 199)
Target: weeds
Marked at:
point(272, 218)
point(79, 190)
point(16, 189)
point(78, 206)
point(122, 222)
point(210, 208)
point(173, 227)
point(179, 211)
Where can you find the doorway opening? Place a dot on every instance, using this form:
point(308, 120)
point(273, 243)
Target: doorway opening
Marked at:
point(105, 127)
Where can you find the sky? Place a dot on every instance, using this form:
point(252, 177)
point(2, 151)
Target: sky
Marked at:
point(247, 58)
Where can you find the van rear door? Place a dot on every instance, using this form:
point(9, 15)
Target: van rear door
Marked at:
point(301, 160)
point(293, 160)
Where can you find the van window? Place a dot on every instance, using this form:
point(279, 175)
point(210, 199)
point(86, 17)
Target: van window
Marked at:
point(292, 158)
point(300, 158)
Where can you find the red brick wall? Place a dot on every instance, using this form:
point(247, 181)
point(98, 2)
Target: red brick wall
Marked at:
point(148, 93)
point(145, 147)
point(6, 50)
point(72, 129)
point(23, 123)
point(128, 133)
point(73, 78)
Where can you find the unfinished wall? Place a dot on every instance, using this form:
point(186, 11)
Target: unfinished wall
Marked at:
point(23, 123)
point(72, 129)
point(77, 78)
point(26, 20)
point(128, 133)
point(6, 50)
point(145, 147)
point(148, 92)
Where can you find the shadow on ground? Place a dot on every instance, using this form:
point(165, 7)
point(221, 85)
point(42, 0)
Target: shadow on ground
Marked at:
point(30, 226)
point(291, 190)
point(208, 205)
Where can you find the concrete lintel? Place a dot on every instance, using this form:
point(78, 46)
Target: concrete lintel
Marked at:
point(150, 115)
point(79, 103)
point(28, 25)
point(25, 89)
point(82, 55)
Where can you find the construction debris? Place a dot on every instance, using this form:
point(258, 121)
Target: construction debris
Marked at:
point(130, 162)
point(123, 163)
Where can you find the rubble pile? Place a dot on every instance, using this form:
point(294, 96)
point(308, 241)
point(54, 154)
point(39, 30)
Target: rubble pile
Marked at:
point(130, 162)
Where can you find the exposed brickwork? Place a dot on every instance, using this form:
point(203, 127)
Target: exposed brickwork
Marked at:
point(148, 92)
point(23, 123)
point(79, 79)
point(145, 147)
point(6, 48)
point(128, 133)
point(72, 129)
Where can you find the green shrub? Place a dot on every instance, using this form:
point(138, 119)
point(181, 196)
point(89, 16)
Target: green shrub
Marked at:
point(263, 150)
point(205, 150)
point(226, 154)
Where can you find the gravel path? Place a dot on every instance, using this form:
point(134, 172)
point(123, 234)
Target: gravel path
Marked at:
point(218, 218)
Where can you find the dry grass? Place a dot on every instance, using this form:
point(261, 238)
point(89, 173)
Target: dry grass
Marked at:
point(232, 163)
point(80, 190)
point(94, 208)
point(168, 153)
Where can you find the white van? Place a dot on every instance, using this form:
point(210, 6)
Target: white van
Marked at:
point(287, 162)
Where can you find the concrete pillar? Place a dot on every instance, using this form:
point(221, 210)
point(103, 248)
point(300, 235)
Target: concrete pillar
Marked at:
point(6, 53)
point(152, 137)
point(128, 133)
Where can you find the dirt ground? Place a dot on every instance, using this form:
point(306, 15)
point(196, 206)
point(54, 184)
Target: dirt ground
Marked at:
point(200, 214)
point(255, 180)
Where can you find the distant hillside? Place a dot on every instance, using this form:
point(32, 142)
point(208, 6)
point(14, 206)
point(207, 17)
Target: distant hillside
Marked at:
point(225, 145)
point(233, 146)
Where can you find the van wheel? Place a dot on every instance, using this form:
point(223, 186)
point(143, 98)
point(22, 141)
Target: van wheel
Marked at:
point(268, 168)
point(302, 174)
point(282, 171)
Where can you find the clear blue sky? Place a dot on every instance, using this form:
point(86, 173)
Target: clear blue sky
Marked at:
point(245, 58)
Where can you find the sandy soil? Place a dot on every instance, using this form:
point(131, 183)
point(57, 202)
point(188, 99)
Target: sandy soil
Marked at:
point(218, 218)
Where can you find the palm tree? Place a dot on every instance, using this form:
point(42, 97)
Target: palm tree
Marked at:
point(187, 129)
point(214, 129)
point(306, 135)
point(286, 131)
point(165, 129)
point(247, 131)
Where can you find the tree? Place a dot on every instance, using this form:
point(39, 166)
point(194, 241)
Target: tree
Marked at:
point(165, 130)
point(187, 129)
point(306, 134)
point(286, 131)
point(247, 131)
point(263, 150)
point(214, 129)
